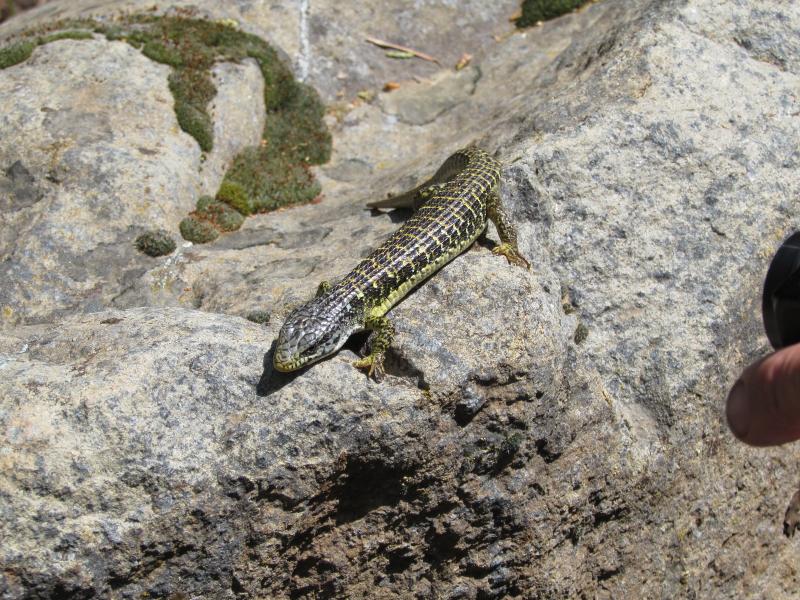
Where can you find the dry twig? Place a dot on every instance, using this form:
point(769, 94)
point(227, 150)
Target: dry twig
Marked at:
point(391, 46)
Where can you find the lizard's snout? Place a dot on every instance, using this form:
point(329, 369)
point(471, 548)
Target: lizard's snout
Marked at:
point(287, 356)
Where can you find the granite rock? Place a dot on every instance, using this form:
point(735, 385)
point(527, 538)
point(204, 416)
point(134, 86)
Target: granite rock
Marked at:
point(543, 434)
point(91, 157)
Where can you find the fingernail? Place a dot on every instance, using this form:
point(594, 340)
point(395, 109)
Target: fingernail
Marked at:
point(739, 410)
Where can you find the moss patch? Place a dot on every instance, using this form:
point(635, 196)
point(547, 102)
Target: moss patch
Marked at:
point(155, 243)
point(265, 177)
point(210, 218)
point(16, 53)
point(235, 195)
point(197, 230)
point(276, 173)
point(534, 11)
point(65, 35)
point(191, 47)
point(270, 180)
point(221, 215)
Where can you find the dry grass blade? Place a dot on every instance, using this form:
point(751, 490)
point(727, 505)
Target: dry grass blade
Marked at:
point(391, 46)
point(463, 61)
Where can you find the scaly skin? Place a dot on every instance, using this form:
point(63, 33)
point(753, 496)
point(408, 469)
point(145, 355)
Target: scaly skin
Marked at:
point(452, 211)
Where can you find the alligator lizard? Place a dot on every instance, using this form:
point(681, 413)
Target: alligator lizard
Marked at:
point(452, 209)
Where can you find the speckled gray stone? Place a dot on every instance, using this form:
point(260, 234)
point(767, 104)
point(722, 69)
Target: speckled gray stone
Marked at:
point(421, 103)
point(650, 158)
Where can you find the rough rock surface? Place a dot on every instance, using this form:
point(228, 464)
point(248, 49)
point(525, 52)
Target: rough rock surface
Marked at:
point(325, 40)
point(549, 434)
point(92, 155)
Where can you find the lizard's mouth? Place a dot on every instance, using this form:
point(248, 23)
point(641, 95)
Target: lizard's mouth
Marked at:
point(285, 360)
point(286, 366)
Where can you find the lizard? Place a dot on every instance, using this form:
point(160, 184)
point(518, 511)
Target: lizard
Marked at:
point(452, 210)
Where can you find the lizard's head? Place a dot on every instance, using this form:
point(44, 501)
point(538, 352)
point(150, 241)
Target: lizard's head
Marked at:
point(308, 336)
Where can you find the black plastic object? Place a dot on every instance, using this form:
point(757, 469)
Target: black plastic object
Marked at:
point(781, 305)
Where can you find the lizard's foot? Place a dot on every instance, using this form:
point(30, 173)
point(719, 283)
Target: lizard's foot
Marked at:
point(373, 362)
point(324, 288)
point(512, 255)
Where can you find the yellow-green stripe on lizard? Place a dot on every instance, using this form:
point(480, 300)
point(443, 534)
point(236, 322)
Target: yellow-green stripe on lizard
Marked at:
point(452, 211)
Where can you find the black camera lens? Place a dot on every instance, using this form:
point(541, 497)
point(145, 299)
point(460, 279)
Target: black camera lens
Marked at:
point(781, 304)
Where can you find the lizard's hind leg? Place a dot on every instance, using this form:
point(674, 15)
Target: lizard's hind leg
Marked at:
point(506, 231)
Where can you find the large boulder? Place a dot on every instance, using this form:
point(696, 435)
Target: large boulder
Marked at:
point(552, 433)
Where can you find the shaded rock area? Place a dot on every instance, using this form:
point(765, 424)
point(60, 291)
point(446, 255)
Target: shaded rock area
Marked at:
point(544, 434)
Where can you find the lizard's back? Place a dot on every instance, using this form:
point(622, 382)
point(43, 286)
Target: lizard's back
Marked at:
point(445, 224)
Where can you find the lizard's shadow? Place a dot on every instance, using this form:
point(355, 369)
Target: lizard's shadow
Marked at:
point(273, 380)
point(484, 242)
point(396, 215)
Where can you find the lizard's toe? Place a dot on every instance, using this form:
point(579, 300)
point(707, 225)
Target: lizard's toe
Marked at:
point(374, 366)
point(512, 255)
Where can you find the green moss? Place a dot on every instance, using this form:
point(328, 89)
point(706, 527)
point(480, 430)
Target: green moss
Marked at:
point(534, 11)
point(196, 122)
point(156, 242)
point(223, 216)
point(203, 202)
point(298, 130)
point(270, 179)
point(228, 219)
point(235, 195)
point(198, 231)
point(65, 35)
point(275, 173)
point(16, 53)
point(191, 47)
point(155, 50)
point(263, 177)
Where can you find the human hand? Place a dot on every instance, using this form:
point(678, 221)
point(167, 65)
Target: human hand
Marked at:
point(763, 406)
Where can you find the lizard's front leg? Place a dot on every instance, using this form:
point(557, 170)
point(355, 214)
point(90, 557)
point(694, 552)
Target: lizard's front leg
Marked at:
point(379, 341)
point(323, 288)
point(506, 231)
